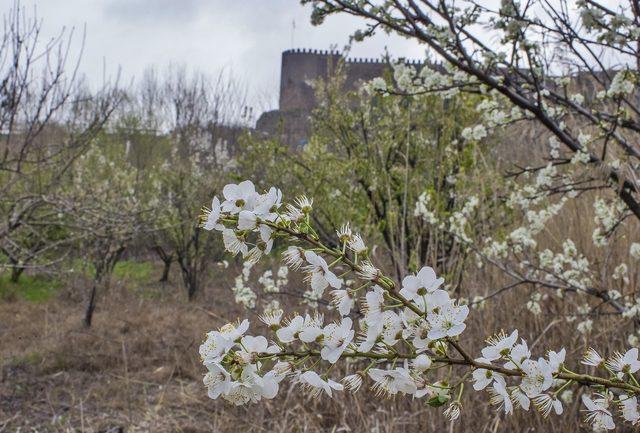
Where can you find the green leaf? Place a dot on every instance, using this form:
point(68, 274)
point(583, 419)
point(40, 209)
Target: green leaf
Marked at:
point(437, 401)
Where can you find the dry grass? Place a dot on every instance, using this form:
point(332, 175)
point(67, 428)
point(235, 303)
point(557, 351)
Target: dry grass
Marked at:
point(137, 370)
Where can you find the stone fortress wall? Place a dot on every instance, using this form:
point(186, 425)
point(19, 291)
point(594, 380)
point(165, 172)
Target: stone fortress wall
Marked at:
point(299, 68)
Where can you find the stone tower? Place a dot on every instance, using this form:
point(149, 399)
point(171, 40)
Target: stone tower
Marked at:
point(298, 69)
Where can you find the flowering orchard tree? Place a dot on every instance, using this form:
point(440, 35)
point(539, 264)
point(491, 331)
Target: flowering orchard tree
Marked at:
point(592, 267)
point(182, 184)
point(406, 332)
point(102, 229)
point(570, 70)
point(527, 54)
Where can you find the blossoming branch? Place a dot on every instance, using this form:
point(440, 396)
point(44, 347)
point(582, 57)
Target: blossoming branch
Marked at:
point(409, 330)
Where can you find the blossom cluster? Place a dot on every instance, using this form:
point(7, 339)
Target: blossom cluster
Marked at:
point(404, 332)
point(562, 268)
point(247, 297)
point(565, 175)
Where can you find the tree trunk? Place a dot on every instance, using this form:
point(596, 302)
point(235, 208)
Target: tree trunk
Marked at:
point(167, 259)
point(88, 315)
point(165, 271)
point(15, 274)
point(189, 270)
point(192, 284)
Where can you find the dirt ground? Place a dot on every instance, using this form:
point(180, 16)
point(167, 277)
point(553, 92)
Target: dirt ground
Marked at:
point(129, 372)
point(137, 370)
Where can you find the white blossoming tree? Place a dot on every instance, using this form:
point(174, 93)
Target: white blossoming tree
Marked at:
point(540, 47)
point(176, 120)
point(569, 70)
point(106, 205)
point(183, 183)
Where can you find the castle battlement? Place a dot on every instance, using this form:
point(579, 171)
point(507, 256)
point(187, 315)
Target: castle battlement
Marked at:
point(312, 51)
point(337, 54)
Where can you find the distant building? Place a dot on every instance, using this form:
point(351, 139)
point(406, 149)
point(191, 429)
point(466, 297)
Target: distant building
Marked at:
point(300, 67)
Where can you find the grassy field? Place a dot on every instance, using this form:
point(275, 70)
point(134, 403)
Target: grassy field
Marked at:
point(30, 288)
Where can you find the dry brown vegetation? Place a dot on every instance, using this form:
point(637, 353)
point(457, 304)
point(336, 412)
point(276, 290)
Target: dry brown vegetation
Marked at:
point(137, 368)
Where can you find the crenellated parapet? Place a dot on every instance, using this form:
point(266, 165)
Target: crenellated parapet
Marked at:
point(312, 51)
point(340, 55)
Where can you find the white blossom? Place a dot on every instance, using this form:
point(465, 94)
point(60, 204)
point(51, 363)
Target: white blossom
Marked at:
point(448, 322)
point(499, 346)
point(392, 382)
point(342, 301)
point(336, 339)
point(316, 385)
point(213, 215)
point(546, 403)
point(421, 363)
point(234, 243)
point(629, 408)
point(621, 84)
point(627, 363)
point(291, 330)
point(415, 286)
point(356, 244)
point(320, 276)
point(593, 358)
point(598, 414)
point(500, 397)
point(239, 197)
point(483, 377)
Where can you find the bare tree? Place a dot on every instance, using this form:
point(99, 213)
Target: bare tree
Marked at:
point(46, 121)
point(201, 119)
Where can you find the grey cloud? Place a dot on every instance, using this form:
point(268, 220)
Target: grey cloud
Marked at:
point(245, 37)
point(135, 11)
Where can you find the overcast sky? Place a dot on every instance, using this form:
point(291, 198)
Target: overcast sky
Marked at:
point(244, 36)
